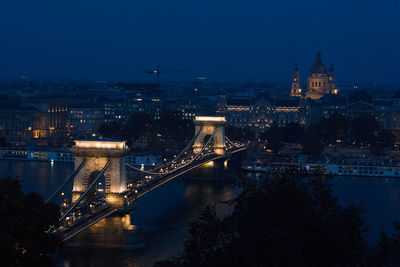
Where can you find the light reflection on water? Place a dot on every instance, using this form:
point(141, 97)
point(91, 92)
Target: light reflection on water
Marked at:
point(163, 215)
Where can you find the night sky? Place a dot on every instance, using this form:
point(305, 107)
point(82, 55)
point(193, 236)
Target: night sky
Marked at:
point(224, 40)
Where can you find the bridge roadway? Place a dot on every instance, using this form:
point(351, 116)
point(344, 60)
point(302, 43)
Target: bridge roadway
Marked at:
point(137, 192)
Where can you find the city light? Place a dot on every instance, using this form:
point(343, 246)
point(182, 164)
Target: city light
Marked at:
point(100, 144)
point(209, 164)
point(210, 119)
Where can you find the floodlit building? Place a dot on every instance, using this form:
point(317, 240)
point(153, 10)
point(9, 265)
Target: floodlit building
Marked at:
point(85, 120)
point(320, 82)
point(261, 111)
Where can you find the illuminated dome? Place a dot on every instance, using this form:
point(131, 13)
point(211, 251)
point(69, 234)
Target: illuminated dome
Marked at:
point(318, 67)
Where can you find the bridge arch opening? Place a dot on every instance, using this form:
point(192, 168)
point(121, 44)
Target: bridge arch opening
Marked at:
point(107, 156)
point(206, 138)
point(97, 193)
point(208, 126)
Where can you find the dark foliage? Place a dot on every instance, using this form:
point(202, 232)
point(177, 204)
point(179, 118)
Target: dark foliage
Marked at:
point(333, 129)
point(312, 143)
point(292, 133)
point(274, 138)
point(290, 220)
point(239, 134)
point(362, 131)
point(3, 142)
point(365, 130)
point(143, 126)
point(24, 221)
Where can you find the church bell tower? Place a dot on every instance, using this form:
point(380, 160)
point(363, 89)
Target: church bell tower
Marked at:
point(295, 90)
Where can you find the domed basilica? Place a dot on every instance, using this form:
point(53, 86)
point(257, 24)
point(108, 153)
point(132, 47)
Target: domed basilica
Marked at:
point(319, 82)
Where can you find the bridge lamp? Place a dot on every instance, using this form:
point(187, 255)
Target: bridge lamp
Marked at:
point(62, 193)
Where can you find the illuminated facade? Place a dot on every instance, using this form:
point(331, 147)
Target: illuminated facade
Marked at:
point(261, 111)
point(319, 82)
point(16, 124)
point(204, 128)
point(121, 110)
point(84, 120)
point(97, 153)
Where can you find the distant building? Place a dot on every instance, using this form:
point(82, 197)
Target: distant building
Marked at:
point(51, 123)
point(385, 110)
point(121, 110)
point(319, 83)
point(261, 111)
point(146, 105)
point(115, 110)
point(16, 124)
point(359, 102)
point(85, 119)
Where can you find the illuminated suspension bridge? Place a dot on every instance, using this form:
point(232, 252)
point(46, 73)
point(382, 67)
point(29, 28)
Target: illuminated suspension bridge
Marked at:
point(96, 159)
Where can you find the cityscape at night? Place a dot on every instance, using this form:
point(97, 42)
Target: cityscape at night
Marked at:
point(217, 133)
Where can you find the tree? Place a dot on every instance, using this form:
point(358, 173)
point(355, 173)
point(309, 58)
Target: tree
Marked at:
point(365, 129)
point(288, 220)
point(139, 125)
point(239, 134)
point(172, 126)
point(334, 128)
point(312, 143)
point(24, 222)
point(292, 132)
point(274, 138)
point(111, 129)
point(3, 142)
point(385, 138)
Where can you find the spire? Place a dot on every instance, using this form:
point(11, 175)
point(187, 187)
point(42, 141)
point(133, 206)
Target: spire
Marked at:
point(331, 69)
point(318, 60)
point(296, 68)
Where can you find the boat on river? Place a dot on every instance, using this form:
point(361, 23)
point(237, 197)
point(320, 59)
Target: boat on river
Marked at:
point(338, 167)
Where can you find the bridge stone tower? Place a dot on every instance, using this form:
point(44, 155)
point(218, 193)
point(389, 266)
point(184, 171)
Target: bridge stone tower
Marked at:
point(205, 126)
point(97, 153)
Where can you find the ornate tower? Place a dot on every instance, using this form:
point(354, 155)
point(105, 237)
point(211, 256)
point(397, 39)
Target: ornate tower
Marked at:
point(331, 81)
point(296, 90)
point(99, 154)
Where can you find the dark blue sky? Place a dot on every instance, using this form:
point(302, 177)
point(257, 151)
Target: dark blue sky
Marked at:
point(224, 40)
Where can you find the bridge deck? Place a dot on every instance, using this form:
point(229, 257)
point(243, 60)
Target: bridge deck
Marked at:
point(135, 193)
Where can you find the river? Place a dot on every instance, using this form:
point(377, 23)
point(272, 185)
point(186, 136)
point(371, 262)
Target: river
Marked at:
point(162, 216)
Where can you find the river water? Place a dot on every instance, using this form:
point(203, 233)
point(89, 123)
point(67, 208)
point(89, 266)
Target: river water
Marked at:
point(159, 223)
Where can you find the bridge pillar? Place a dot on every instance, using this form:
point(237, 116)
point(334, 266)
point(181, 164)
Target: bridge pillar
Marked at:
point(97, 153)
point(206, 126)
